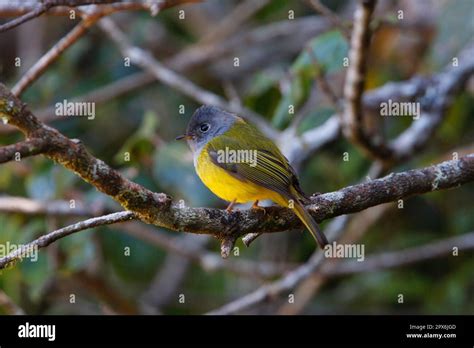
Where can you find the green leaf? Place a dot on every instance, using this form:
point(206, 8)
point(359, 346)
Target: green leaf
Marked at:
point(263, 81)
point(142, 140)
point(328, 52)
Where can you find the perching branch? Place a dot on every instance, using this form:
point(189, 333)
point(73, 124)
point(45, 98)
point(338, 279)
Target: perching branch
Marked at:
point(158, 209)
point(209, 261)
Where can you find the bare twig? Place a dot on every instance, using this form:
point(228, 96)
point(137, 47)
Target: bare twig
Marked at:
point(194, 55)
point(103, 94)
point(44, 6)
point(436, 94)
point(10, 307)
point(38, 11)
point(437, 97)
point(209, 261)
point(54, 208)
point(51, 237)
point(145, 60)
point(53, 53)
point(405, 257)
point(334, 18)
point(357, 227)
point(241, 12)
point(30, 147)
point(89, 18)
point(352, 118)
point(299, 148)
point(286, 283)
point(63, 7)
point(291, 279)
point(158, 209)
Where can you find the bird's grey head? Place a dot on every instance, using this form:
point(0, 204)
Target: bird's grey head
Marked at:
point(206, 123)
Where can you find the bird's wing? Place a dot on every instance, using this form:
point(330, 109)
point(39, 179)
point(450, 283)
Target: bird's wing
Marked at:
point(271, 171)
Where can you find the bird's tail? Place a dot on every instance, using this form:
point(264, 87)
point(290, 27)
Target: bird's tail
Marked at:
point(303, 215)
point(310, 224)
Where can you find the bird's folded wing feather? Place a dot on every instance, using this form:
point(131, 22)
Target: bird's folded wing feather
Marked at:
point(271, 171)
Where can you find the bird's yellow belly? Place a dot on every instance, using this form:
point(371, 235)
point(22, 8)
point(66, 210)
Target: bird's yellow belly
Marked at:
point(226, 186)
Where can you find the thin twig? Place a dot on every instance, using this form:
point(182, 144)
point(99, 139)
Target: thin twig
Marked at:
point(158, 209)
point(393, 259)
point(43, 6)
point(21, 205)
point(334, 18)
point(282, 285)
point(209, 261)
point(27, 148)
point(53, 53)
point(352, 119)
point(145, 60)
point(10, 307)
point(38, 11)
point(89, 17)
point(242, 11)
point(63, 7)
point(51, 237)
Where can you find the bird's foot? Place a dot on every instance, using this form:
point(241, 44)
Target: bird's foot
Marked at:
point(230, 207)
point(255, 206)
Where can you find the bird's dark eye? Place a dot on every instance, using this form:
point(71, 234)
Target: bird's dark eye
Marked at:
point(205, 127)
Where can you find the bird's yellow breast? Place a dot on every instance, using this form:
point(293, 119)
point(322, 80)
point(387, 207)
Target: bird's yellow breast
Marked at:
point(226, 186)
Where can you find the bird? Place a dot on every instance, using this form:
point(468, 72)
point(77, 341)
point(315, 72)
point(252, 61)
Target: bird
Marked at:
point(239, 164)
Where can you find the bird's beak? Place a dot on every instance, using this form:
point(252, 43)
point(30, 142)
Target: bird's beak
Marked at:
point(184, 136)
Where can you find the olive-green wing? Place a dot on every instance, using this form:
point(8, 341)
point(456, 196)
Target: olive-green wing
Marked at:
point(272, 171)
